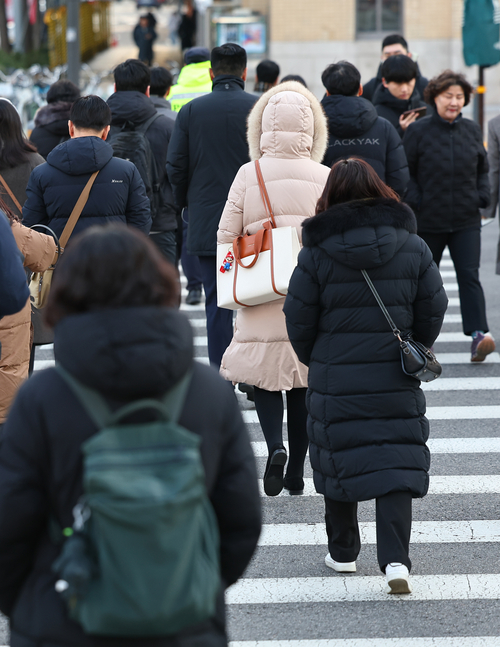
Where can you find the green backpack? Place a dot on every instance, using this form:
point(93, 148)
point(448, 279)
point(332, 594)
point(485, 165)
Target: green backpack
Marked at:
point(143, 556)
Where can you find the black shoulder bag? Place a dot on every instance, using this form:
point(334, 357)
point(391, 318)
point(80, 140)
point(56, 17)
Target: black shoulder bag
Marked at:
point(417, 360)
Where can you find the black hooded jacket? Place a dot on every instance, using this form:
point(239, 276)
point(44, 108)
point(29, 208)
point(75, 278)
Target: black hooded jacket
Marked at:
point(448, 173)
point(208, 147)
point(366, 424)
point(135, 108)
point(118, 193)
point(356, 130)
point(51, 126)
point(391, 108)
point(126, 354)
point(371, 87)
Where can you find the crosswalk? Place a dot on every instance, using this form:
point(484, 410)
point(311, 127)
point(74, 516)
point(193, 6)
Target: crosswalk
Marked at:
point(288, 598)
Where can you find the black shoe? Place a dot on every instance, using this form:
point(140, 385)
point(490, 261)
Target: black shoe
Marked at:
point(273, 476)
point(194, 297)
point(248, 389)
point(294, 484)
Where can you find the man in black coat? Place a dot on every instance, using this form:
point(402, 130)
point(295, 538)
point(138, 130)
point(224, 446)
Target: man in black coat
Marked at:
point(130, 107)
point(398, 93)
point(392, 46)
point(118, 193)
point(208, 147)
point(355, 129)
point(13, 287)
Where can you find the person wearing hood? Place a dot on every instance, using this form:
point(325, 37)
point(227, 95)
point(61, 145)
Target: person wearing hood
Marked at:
point(118, 193)
point(120, 334)
point(131, 106)
point(356, 129)
point(287, 133)
point(398, 93)
point(51, 121)
point(367, 426)
point(393, 45)
point(194, 79)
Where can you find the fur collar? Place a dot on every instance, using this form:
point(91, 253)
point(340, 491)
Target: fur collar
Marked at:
point(254, 132)
point(56, 111)
point(356, 214)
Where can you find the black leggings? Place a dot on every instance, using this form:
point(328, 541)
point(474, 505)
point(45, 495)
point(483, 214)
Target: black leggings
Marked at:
point(269, 406)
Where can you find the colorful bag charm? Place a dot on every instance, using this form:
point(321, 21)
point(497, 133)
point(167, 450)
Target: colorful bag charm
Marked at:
point(227, 263)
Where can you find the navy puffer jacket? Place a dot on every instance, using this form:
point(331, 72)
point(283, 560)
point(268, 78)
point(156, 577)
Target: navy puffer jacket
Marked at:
point(366, 421)
point(118, 193)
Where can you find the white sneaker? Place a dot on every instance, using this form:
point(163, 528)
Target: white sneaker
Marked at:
point(397, 578)
point(340, 567)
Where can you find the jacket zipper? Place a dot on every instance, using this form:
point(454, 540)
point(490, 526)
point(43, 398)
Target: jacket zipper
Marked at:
point(452, 175)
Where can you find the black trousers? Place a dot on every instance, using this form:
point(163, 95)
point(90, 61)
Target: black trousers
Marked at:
point(219, 320)
point(465, 252)
point(393, 519)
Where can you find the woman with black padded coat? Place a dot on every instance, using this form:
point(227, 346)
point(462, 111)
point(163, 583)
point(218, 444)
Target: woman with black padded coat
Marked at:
point(366, 424)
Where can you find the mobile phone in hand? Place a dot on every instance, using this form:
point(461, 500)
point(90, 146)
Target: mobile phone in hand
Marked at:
point(420, 112)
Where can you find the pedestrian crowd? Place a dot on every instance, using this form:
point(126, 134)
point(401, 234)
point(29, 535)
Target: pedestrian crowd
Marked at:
point(129, 497)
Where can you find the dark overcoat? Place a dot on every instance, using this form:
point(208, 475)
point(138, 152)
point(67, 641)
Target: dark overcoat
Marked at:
point(366, 423)
point(125, 354)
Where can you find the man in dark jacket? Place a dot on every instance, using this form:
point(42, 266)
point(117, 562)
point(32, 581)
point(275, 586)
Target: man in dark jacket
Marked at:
point(398, 93)
point(130, 107)
point(51, 121)
point(118, 193)
point(355, 129)
point(13, 287)
point(207, 149)
point(161, 82)
point(392, 45)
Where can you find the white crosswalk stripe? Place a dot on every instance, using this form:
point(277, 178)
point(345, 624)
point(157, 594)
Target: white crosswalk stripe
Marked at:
point(441, 641)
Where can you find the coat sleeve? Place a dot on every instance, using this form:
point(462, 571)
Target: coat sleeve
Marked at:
point(302, 306)
point(23, 495)
point(37, 248)
point(493, 174)
point(235, 497)
point(431, 302)
point(410, 142)
point(231, 221)
point(397, 175)
point(178, 158)
point(13, 287)
point(34, 211)
point(138, 210)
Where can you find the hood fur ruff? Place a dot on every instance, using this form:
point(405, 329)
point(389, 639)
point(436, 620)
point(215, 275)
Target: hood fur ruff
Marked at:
point(52, 112)
point(254, 132)
point(343, 217)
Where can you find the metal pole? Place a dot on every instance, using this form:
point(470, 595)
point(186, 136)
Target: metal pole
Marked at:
point(73, 40)
point(20, 16)
point(480, 98)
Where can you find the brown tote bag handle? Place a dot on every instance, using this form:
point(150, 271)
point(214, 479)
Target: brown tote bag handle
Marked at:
point(77, 210)
point(12, 196)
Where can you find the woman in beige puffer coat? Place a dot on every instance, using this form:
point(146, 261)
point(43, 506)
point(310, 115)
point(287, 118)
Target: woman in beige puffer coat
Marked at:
point(287, 133)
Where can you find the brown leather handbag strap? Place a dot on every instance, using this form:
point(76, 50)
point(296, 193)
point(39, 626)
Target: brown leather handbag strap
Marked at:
point(264, 193)
point(77, 210)
point(12, 196)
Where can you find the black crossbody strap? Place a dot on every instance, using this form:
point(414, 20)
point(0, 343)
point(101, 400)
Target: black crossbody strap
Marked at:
point(395, 329)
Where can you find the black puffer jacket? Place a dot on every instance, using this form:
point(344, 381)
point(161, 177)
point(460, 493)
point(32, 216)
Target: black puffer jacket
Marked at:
point(448, 173)
point(51, 126)
point(135, 108)
point(118, 193)
point(356, 130)
point(371, 87)
point(208, 147)
point(391, 108)
point(366, 421)
point(126, 354)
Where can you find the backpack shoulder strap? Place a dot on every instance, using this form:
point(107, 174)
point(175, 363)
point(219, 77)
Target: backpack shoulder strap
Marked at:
point(143, 128)
point(174, 400)
point(93, 402)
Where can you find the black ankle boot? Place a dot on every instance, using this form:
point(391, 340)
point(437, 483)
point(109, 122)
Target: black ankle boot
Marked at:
point(273, 476)
point(294, 484)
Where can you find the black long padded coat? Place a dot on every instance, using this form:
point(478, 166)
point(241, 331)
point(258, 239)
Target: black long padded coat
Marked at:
point(366, 425)
point(448, 173)
point(126, 354)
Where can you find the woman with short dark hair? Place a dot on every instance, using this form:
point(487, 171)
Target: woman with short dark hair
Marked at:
point(118, 332)
point(448, 185)
point(366, 418)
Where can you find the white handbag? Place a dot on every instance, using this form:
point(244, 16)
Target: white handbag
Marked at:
point(256, 269)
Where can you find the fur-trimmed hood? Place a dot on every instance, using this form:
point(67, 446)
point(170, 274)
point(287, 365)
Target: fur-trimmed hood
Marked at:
point(54, 112)
point(361, 233)
point(287, 122)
